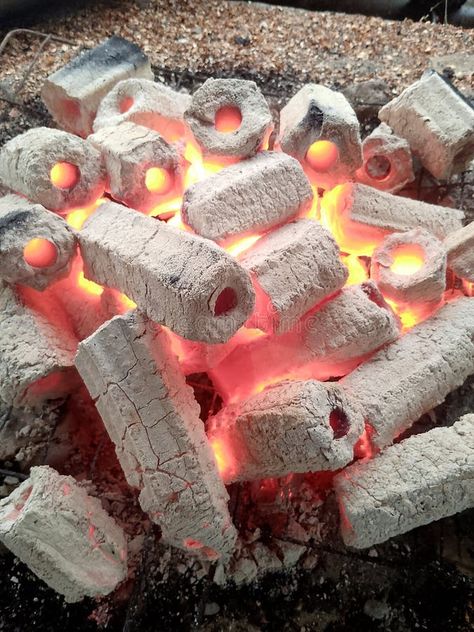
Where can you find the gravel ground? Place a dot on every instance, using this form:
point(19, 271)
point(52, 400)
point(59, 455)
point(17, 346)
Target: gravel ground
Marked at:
point(211, 36)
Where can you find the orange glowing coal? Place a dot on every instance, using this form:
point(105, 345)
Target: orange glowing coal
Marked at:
point(314, 211)
point(364, 448)
point(322, 155)
point(76, 217)
point(241, 245)
point(77, 273)
point(64, 175)
point(167, 209)
point(228, 119)
point(177, 222)
point(40, 253)
point(126, 302)
point(158, 180)
point(358, 272)
point(197, 168)
point(353, 238)
point(412, 314)
point(407, 259)
point(468, 288)
point(89, 286)
point(223, 457)
point(125, 104)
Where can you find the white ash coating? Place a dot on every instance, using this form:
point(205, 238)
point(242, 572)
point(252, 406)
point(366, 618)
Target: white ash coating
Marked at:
point(329, 341)
point(128, 151)
point(398, 214)
point(27, 159)
point(152, 105)
point(351, 325)
point(153, 419)
point(424, 478)
point(414, 374)
point(64, 535)
point(175, 277)
point(256, 117)
point(73, 93)
point(251, 196)
point(22, 221)
point(317, 113)
point(383, 143)
point(460, 247)
point(367, 207)
point(427, 284)
point(296, 266)
point(438, 123)
point(286, 428)
point(33, 347)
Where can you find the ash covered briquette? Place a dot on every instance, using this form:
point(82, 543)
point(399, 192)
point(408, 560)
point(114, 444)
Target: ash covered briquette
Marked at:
point(73, 93)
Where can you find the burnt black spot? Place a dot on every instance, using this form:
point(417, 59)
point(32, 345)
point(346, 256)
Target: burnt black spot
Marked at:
point(339, 423)
point(173, 279)
point(315, 117)
point(114, 51)
point(15, 221)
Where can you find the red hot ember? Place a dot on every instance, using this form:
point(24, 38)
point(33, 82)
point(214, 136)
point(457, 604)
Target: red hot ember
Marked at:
point(36, 246)
point(410, 268)
point(180, 280)
point(37, 347)
point(53, 168)
point(360, 217)
point(272, 315)
point(294, 426)
point(293, 269)
point(330, 340)
point(388, 163)
point(142, 168)
point(145, 103)
point(229, 117)
point(251, 196)
point(319, 128)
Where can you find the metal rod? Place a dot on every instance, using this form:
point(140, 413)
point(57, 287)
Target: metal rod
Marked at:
point(47, 38)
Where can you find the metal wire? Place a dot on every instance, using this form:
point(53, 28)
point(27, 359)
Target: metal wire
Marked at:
point(46, 38)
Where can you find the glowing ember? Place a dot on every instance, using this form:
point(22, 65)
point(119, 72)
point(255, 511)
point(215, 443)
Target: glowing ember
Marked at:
point(89, 286)
point(170, 207)
point(225, 302)
point(40, 253)
point(411, 315)
point(158, 180)
point(339, 423)
point(64, 175)
point(223, 456)
point(322, 155)
point(358, 272)
point(364, 449)
point(127, 302)
point(378, 167)
point(125, 104)
point(198, 169)
point(314, 211)
point(242, 245)
point(228, 119)
point(407, 259)
point(468, 288)
point(76, 217)
point(354, 238)
point(177, 222)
